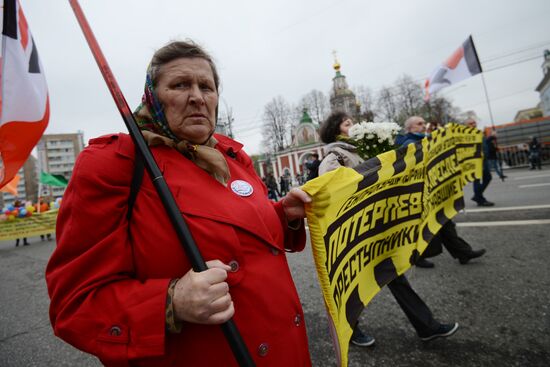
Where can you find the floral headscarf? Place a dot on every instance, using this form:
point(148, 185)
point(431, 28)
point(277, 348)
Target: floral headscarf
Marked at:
point(152, 122)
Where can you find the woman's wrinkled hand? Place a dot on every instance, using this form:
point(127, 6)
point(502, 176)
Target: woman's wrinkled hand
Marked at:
point(204, 298)
point(293, 204)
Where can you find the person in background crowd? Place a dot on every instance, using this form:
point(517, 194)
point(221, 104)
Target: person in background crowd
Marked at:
point(312, 166)
point(301, 178)
point(42, 206)
point(534, 154)
point(47, 237)
point(492, 154)
point(339, 153)
point(18, 205)
point(120, 283)
point(273, 190)
point(415, 130)
point(481, 185)
point(284, 185)
point(447, 236)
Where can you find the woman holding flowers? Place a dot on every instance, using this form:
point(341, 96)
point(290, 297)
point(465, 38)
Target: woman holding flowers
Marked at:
point(349, 145)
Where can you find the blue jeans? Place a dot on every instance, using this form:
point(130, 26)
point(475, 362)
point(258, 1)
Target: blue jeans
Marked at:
point(481, 185)
point(494, 164)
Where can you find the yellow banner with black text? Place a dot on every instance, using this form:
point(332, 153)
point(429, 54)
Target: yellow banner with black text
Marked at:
point(35, 225)
point(369, 224)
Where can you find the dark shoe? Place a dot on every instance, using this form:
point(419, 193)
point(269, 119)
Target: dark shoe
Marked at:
point(360, 339)
point(423, 263)
point(478, 200)
point(25, 243)
point(471, 255)
point(443, 331)
point(503, 177)
point(485, 203)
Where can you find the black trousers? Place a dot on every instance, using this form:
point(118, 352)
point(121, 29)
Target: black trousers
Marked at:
point(448, 237)
point(413, 306)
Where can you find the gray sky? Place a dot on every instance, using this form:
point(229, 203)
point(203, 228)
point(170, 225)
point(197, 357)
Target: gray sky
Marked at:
point(268, 48)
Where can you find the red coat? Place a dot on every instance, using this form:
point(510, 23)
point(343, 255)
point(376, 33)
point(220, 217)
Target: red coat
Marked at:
point(108, 279)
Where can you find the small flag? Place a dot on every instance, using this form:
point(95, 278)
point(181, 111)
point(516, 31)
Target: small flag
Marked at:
point(462, 64)
point(24, 102)
point(53, 180)
point(11, 187)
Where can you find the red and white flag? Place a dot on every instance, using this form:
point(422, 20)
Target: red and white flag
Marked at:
point(462, 64)
point(24, 101)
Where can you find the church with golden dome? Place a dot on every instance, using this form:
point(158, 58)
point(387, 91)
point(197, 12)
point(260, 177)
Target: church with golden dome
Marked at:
point(291, 162)
point(341, 97)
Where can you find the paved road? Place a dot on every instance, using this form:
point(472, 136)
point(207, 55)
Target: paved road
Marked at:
point(501, 300)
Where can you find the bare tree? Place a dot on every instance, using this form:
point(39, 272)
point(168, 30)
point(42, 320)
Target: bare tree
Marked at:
point(226, 119)
point(387, 104)
point(409, 97)
point(317, 104)
point(441, 110)
point(365, 96)
point(276, 124)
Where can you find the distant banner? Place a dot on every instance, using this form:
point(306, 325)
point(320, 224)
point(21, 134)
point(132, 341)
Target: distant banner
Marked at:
point(369, 225)
point(35, 225)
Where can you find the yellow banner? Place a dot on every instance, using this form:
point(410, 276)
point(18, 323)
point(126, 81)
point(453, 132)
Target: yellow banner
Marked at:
point(35, 225)
point(369, 225)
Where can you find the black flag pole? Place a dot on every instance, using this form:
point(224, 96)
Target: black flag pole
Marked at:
point(471, 39)
point(186, 239)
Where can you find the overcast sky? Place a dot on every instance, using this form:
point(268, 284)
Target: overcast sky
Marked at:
point(268, 48)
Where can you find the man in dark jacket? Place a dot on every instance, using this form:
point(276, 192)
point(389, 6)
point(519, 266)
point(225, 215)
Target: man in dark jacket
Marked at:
point(481, 185)
point(312, 166)
point(492, 156)
point(534, 154)
point(415, 128)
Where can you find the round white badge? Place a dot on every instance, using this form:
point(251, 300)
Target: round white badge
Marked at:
point(242, 188)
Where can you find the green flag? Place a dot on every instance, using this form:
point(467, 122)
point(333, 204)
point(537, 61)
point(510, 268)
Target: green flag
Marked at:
point(53, 180)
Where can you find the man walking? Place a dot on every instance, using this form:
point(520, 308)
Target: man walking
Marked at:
point(492, 154)
point(447, 236)
point(312, 166)
point(481, 185)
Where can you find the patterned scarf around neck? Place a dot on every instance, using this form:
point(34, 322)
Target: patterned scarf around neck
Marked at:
point(152, 122)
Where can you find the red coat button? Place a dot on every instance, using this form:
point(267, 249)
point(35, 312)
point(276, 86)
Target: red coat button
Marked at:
point(234, 266)
point(298, 320)
point(115, 331)
point(263, 349)
point(274, 251)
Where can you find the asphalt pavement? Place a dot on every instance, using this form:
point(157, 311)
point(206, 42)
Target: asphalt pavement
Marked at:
point(501, 300)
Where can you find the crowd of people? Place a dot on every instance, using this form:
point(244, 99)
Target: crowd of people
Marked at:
point(24, 209)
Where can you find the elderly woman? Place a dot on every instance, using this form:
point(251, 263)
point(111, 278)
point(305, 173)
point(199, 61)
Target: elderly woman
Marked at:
point(334, 132)
point(120, 284)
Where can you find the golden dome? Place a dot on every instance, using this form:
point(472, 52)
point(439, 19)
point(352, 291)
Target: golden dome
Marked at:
point(336, 64)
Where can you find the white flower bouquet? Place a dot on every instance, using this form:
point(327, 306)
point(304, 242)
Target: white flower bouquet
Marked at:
point(373, 138)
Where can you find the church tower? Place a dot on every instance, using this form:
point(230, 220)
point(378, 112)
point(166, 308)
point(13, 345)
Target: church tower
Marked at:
point(341, 97)
point(306, 131)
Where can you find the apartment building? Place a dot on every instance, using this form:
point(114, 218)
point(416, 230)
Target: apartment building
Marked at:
point(56, 155)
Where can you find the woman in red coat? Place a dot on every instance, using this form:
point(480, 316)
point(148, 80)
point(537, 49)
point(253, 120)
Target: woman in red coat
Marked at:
point(120, 285)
